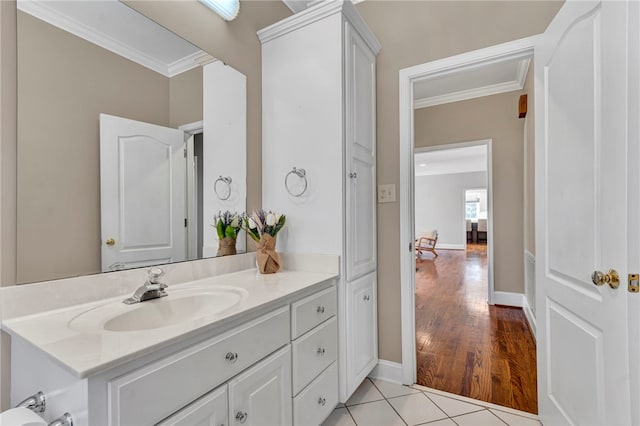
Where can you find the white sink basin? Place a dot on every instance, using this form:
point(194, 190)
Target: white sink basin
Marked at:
point(182, 305)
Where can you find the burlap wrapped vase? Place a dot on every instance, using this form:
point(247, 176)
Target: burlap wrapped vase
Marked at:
point(266, 256)
point(226, 246)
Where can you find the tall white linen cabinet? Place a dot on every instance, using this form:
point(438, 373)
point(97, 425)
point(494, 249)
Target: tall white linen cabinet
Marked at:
point(319, 115)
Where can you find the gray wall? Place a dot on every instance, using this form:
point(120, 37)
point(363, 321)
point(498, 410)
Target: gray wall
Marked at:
point(440, 205)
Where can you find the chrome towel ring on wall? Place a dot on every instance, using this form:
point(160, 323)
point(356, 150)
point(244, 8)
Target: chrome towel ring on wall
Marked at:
point(302, 175)
point(222, 187)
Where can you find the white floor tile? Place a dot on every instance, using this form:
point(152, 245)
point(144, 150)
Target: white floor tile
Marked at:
point(377, 413)
point(416, 408)
point(339, 417)
point(391, 390)
point(366, 392)
point(484, 418)
point(453, 407)
point(515, 420)
point(476, 402)
point(443, 422)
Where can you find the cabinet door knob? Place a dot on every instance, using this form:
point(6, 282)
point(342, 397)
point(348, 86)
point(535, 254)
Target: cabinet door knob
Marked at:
point(320, 309)
point(366, 297)
point(231, 357)
point(320, 352)
point(353, 175)
point(322, 401)
point(241, 416)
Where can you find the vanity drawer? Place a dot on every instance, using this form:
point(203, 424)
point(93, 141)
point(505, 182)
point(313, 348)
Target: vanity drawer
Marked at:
point(150, 394)
point(211, 409)
point(317, 401)
point(314, 352)
point(312, 310)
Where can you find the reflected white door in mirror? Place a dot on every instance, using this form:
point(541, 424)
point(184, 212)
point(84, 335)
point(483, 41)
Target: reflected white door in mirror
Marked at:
point(142, 185)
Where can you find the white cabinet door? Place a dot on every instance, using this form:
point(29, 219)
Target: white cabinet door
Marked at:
point(362, 329)
point(361, 156)
point(262, 394)
point(210, 410)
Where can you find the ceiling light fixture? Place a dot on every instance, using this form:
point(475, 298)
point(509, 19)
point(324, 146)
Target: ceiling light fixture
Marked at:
point(423, 164)
point(227, 9)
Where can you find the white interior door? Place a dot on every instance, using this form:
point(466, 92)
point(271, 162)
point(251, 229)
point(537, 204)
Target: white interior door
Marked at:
point(581, 214)
point(142, 194)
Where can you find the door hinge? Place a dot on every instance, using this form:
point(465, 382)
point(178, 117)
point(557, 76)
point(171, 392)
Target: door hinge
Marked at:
point(410, 247)
point(634, 286)
point(185, 222)
point(185, 153)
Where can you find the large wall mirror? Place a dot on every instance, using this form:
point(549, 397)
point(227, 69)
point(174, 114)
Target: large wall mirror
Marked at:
point(130, 140)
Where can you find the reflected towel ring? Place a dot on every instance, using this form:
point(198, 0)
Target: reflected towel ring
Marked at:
point(226, 180)
point(302, 174)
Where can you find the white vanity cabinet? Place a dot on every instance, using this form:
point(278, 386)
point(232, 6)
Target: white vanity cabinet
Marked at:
point(319, 114)
point(264, 367)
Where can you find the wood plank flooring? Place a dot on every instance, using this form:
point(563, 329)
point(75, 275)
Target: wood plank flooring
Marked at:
point(464, 346)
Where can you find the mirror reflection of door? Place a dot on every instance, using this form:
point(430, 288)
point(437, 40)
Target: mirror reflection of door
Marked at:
point(142, 184)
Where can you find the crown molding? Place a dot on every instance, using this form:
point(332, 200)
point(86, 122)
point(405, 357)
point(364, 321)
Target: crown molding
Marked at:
point(40, 10)
point(317, 11)
point(187, 63)
point(494, 89)
point(299, 20)
point(296, 5)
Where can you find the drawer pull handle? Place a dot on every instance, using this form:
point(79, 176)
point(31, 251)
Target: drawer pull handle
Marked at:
point(366, 297)
point(241, 416)
point(320, 310)
point(322, 401)
point(231, 357)
point(320, 352)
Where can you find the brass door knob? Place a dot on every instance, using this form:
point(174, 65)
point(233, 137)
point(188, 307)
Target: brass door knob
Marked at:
point(110, 242)
point(612, 278)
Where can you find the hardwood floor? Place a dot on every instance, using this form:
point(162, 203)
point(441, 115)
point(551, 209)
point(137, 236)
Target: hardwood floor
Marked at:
point(464, 346)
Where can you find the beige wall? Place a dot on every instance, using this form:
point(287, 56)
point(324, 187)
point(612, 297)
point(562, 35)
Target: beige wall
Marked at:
point(8, 130)
point(496, 118)
point(64, 83)
point(412, 33)
point(185, 97)
point(529, 166)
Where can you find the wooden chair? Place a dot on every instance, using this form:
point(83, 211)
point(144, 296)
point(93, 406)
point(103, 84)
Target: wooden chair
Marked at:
point(427, 242)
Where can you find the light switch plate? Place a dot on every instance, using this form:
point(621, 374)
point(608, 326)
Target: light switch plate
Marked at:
point(387, 193)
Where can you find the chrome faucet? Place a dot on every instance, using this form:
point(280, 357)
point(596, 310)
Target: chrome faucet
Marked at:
point(151, 289)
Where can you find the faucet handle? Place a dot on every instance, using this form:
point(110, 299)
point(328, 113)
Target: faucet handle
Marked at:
point(154, 274)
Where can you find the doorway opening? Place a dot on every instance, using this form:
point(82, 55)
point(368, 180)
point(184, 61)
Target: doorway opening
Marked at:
point(422, 87)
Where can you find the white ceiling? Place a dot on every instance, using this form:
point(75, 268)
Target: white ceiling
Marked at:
point(473, 82)
point(448, 161)
point(120, 29)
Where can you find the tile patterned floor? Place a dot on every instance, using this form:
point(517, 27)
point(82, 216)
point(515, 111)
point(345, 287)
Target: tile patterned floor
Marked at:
point(380, 403)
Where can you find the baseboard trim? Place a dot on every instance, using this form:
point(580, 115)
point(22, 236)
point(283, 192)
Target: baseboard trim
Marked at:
point(388, 371)
point(507, 298)
point(528, 313)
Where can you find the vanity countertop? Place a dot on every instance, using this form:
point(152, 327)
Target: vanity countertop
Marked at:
point(85, 352)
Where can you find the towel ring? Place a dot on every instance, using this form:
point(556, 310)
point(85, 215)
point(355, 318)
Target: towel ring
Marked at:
point(302, 174)
point(225, 180)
